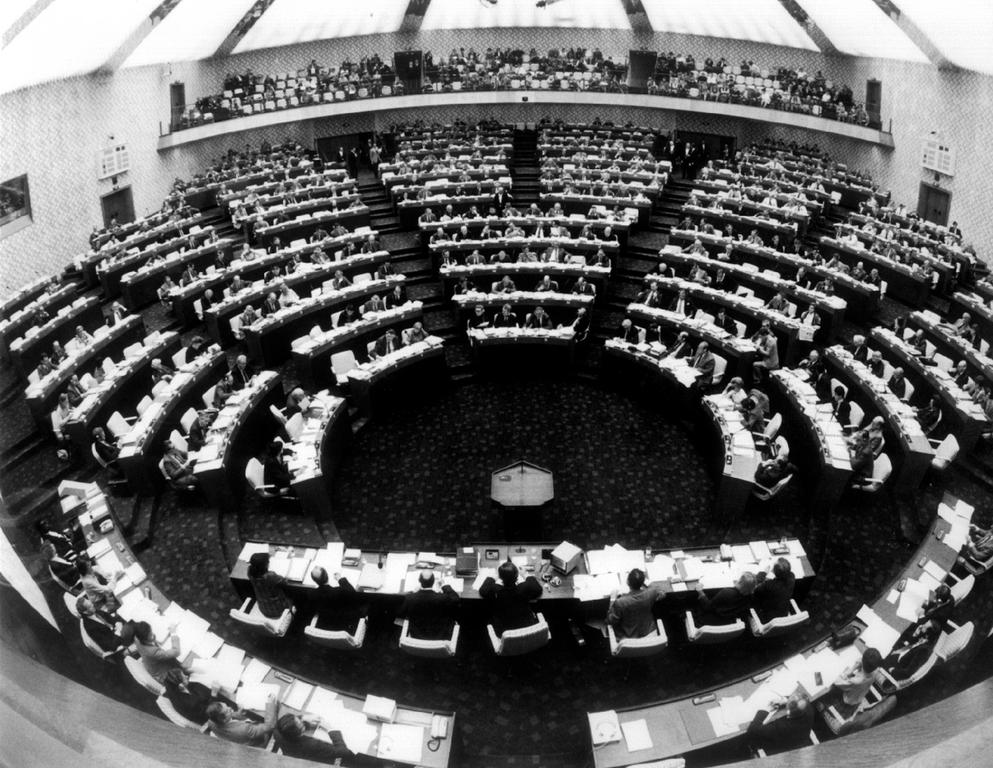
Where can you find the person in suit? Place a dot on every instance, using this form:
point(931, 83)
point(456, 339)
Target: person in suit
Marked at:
point(723, 282)
point(157, 660)
point(726, 323)
point(773, 732)
point(511, 600)
point(771, 598)
point(629, 332)
point(898, 383)
point(650, 297)
point(505, 318)
point(397, 297)
point(704, 361)
point(581, 325)
point(583, 288)
point(178, 466)
point(348, 315)
point(294, 739)
point(274, 469)
point(546, 284)
point(777, 303)
point(841, 406)
point(374, 304)
point(198, 431)
point(681, 347)
point(241, 373)
point(477, 319)
point(681, 304)
point(236, 727)
point(431, 614)
point(728, 605)
point(271, 304)
point(980, 543)
point(338, 607)
point(911, 654)
point(386, 344)
point(107, 450)
point(100, 630)
point(767, 352)
point(938, 607)
point(860, 350)
point(810, 317)
point(854, 683)
point(633, 614)
point(538, 319)
point(501, 199)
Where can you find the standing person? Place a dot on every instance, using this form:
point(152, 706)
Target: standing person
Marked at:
point(375, 155)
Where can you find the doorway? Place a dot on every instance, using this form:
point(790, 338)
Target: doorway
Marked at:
point(933, 203)
point(119, 205)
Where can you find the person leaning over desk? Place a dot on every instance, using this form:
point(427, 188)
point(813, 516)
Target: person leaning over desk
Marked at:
point(729, 604)
point(431, 614)
point(511, 609)
point(236, 727)
point(773, 733)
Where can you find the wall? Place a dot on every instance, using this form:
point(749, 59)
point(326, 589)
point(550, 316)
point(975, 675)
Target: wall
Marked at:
point(53, 132)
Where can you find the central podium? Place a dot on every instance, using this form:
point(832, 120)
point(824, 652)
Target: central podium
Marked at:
point(521, 491)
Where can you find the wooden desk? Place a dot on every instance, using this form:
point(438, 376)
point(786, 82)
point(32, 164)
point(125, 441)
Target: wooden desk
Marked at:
point(288, 231)
point(486, 274)
point(140, 287)
point(26, 351)
point(93, 506)
point(24, 296)
point(978, 308)
point(365, 380)
point(140, 449)
point(503, 347)
point(682, 726)
point(905, 441)
point(23, 318)
point(577, 203)
point(954, 347)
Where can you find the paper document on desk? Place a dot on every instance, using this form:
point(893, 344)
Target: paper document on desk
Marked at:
point(719, 724)
point(935, 570)
point(483, 575)
point(356, 730)
point(254, 696)
point(299, 568)
point(135, 572)
point(297, 695)
point(255, 672)
point(403, 743)
point(636, 735)
point(604, 727)
point(880, 635)
point(661, 568)
point(208, 645)
point(912, 599)
point(229, 654)
point(251, 548)
point(323, 703)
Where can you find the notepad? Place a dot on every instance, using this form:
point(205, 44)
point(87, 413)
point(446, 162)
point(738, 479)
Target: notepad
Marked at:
point(254, 696)
point(636, 735)
point(296, 695)
point(255, 672)
point(322, 703)
point(403, 743)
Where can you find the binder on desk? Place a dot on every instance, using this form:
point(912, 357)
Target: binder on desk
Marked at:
point(466, 561)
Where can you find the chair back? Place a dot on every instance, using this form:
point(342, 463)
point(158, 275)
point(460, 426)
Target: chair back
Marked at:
point(277, 414)
point(342, 363)
point(712, 633)
point(187, 419)
point(634, 647)
point(96, 455)
point(143, 405)
point(946, 452)
point(337, 639)
point(208, 397)
point(142, 677)
point(516, 642)
point(764, 494)
point(780, 625)
point(179, 358)
point(254, 474)
point(772, 426)
point(720, 367)
point(179, 441)
point(951, 644)
point(428, 649)
point(855, 415)
point(70, 601)
point(294, 426)
point(962, 588)
point(89, 643)
point(782, 447)
point(118, 425)
point(160, 386)
point(250, 615)
point(166, 708)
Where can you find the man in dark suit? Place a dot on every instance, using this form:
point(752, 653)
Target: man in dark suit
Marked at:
point(841, 406)
point(773, 732)
point(583, 288)
point(431, 614)
point(505, 318)
point(274, 470)
point(397, 297)
point(511, 601)
point(681, 347)
point(374, 304)
point(629, 332)
point(198, 431)
point(704, 361)
point(772, 596)
point(681, 304)
point(386, 344)
point(581, 325)
point(538, 319)
point(725, 323)
point(271, 305)
point(99, 631)
point(338, 607)
point(876, 365)
point(728, 605)
point(501, 198)
point(860, 350)
point(241, 374)
point(650, 297)
point(723, 282)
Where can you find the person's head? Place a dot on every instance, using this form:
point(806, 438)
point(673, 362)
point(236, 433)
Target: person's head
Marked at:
point(960, 367)
point(736, 383)
point(275, 448)
point(797, 704)
point(63, 400)
point(858, 340)
point(319, 575)
point(877, 356)
point(702, 348)
point(506, 309)
point(871, 660)
point(426, 579)
point(746, 583)
point(942, 593)
point(636, 579)
point(84, 566)
point(507, 572)
point(291, 727)
point(898, 373)
point(479, 309)
point(876, 425)
point(85, 606)
point(781, 567)
point(241, 361)
point(258, 564)
point(143, 632)
point(839, 393)
point(218, 712)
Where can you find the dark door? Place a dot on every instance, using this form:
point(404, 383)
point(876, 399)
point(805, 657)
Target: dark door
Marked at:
point(874, 102)
point(177, 103)
point(118, 204)
point(933, 204)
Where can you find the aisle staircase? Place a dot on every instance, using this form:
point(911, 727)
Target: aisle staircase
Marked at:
point(524, 169)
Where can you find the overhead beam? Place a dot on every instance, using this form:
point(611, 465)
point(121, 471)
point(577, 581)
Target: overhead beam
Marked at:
point(413, 17)
point(241, 28)
point(133, 40)
point(640, 23)
point(917, 35)
point(816, 34)
point(24, 19)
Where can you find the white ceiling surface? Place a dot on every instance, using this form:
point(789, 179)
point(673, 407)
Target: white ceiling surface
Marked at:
point(194, 30)
point(11, 11)
point(860, 28)
point(762, 21)
point(295, 21)
point(961, 29)
point(69, 37)
point(566, 14)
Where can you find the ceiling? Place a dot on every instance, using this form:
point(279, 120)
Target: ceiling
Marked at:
point(42, 40)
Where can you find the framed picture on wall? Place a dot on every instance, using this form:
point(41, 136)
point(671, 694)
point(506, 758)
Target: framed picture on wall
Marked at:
point(15, 205)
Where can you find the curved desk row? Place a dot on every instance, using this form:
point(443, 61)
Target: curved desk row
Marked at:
point(902, 281)
point(942, 336)
point(683, 725)
point(22, 297)
point(945, 273)
point(18, 322)
point(380, 381)
point(533, 271)
point(141, 287)
point(108, 341)
point(240, 676)
point(571, 224)
point(205, 195)
point(742, 224)
point(980, 310)
point(304, 225)
point(310, 181)
point(580, 203)
point(26, 351)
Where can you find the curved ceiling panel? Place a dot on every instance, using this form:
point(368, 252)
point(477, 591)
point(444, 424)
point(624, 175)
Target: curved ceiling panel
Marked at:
point(567, 14)
point(762, 21)
point(860, 28)
point(961, 29)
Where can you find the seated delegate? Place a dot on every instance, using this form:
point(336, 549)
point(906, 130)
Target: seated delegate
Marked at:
point(431, 614)
point(632, 615)
point(511, 600)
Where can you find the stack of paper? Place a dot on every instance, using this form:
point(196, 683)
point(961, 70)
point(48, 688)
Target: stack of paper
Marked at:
point(251, 548)
point(877, 634)
point(912, 599)
point(636, 735)
point(255, 696)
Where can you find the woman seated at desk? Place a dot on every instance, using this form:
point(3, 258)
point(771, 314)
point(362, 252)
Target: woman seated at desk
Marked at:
point(269, 595)
point(158, 661)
